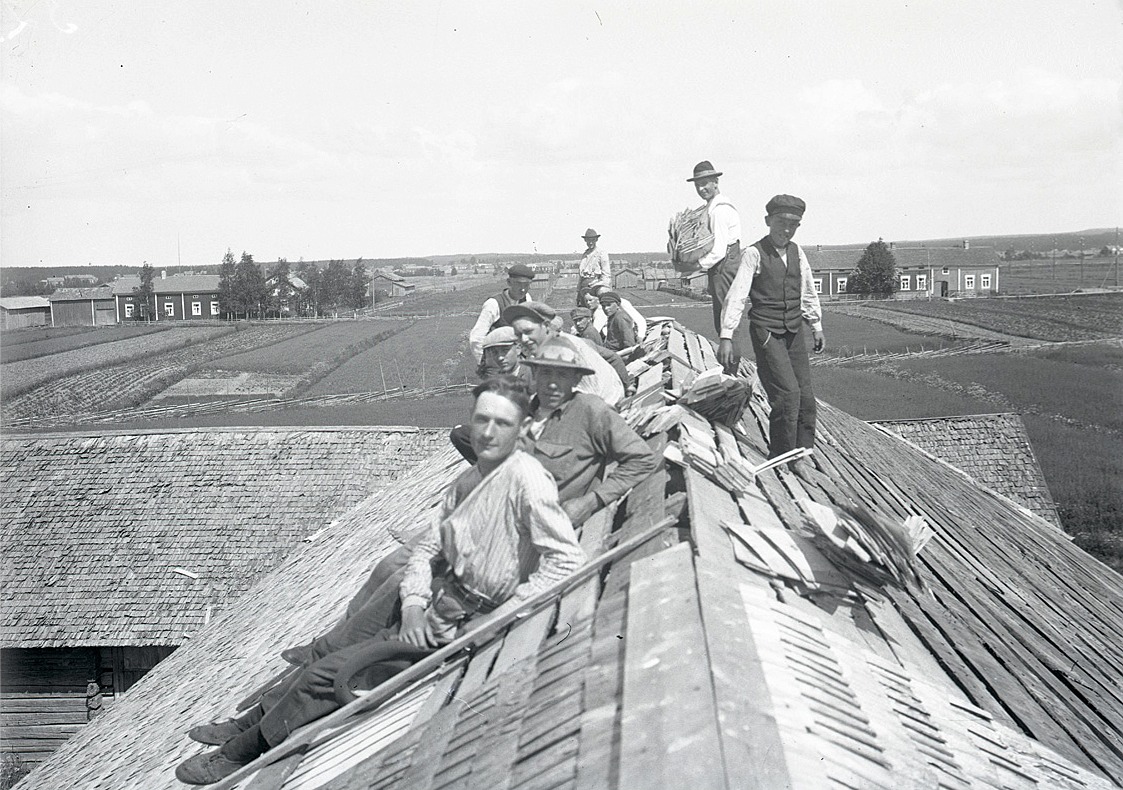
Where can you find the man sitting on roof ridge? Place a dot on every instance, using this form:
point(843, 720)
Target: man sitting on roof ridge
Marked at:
point(501, 537)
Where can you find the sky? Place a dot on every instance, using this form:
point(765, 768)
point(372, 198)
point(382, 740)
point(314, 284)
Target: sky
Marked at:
point(170, 131)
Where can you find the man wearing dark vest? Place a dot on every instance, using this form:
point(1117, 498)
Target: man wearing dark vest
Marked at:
point(720, 263)
point(775, 281)
point(519, 278)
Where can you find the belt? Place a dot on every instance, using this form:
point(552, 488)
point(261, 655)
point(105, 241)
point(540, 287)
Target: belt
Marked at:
point(479, 604)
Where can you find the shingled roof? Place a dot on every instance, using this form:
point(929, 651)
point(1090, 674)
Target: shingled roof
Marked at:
point(140, 538)
point(992, 448)
point(726, 651)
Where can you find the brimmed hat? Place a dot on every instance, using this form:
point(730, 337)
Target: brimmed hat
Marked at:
point(558, 353)
point(581, 312)
point(704, 169)
point(785, 205)
point(503, 336)
point(609, 296)
point(591, 234)
point(539, 312)
point(521, 270)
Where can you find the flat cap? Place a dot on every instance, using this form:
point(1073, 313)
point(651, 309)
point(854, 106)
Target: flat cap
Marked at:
point(609, 296)
point(503, 336)
point(786, 204)
point(581, 312)
point(539, 312)
point(521, 270)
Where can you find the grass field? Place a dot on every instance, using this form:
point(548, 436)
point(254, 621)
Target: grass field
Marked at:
point(1042, 277)
point(468, 298)
point(41, 341)
point(301, 353)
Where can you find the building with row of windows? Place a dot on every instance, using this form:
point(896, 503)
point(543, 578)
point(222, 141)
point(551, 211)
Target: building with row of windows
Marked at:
point(181, 297)
point(922, 272)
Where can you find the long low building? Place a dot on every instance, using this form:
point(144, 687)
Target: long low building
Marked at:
point(19, 312)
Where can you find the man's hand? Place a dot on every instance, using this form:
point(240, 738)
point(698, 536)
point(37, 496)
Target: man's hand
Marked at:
point(725, 352)
point(820, 341)
point(415, 628)
point(581, 508)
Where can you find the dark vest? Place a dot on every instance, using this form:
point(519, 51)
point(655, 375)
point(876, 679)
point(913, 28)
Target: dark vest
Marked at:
point(505, 301)
point(775, 295)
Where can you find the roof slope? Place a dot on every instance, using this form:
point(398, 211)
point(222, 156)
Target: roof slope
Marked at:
point(726, 651)
point(138, 539)
point(992, 448)
point(906, 257)
point(24, 302)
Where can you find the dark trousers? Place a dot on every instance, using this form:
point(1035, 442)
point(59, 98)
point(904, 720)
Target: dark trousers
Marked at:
point(373, 608)
point(309, 694)
point(719, 278)
point(785, 374)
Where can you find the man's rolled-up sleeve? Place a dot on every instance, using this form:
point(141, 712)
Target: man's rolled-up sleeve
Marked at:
point(634, 459)
point(809, 299)
point(489, 314)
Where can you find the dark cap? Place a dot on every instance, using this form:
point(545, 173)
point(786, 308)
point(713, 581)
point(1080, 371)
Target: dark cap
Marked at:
point(704, 170)
point(581, 312)
point(521, 270)
point(786, 204)
point(538, 312)
point(609, 296)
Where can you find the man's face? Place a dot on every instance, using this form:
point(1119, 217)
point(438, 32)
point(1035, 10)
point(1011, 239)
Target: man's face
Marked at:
point(496, 426)
point(530, 334)
point(610, 307)
point(554, 385)
point(501, 358)
point(517, 287)
point(590, 241)
point(591, 301)
point(580, 323)
point(781, 228)
point(706, 188)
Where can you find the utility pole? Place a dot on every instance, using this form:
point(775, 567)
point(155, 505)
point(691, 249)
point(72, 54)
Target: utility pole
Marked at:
point(1082, 262)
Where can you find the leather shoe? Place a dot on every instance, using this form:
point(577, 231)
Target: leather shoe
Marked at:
point(216, 733)
point(206, 768)
point(298, 656)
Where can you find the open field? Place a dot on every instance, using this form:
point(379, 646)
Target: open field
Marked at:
point(41, 341)
point(1052, 318)
point(300, 353)
point(22, 376)
point(1042, 277)
point(431, 352)
point(466, 298)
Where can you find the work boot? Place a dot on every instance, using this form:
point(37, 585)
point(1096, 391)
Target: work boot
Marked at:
point(300, 656)
point(206, 768)
point(216, 733)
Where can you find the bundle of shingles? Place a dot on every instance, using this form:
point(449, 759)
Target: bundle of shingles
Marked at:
point(717, 396)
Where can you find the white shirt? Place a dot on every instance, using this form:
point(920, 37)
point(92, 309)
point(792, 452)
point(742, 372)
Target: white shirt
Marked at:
point(595, 265)
point(489, 314)
point(726, 225)
point(737, 299)
point(600, 318)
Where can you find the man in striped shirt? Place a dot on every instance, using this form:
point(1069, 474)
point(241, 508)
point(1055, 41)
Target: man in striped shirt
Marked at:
point(502, 536)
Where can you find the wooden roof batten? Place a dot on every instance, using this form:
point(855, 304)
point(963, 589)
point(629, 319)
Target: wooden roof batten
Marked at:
point(723, 642)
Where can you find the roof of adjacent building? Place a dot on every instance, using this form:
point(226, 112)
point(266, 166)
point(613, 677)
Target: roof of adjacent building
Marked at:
point(140, 538)
point(906, 257)
point(660, 273)
point(731, 641)
point(177, 283)
point(81, 294)
point(992, 448)
point(24, 302)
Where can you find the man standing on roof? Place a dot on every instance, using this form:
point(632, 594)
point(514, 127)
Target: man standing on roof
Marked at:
point(577, 436)
point(594, 268)
point(775, 281)
point(533, 323)
point(519, 278)
point(722, 261)
point(620, 331)
point(501, 536)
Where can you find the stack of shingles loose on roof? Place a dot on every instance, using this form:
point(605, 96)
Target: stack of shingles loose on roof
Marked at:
point(717, 396)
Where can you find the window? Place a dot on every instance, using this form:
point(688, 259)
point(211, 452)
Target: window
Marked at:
point(944, 270)
point(214, 308)
point(984, 281)
point(169, 309)
point(129, 310)
point(906, 282)
point(841, 283)
point(969, 281)
point(922, 282)
point(196, 308)
point(818, 285)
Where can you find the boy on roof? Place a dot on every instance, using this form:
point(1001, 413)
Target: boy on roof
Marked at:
point(620, 331)
point(775, 281)
point(502, 536)
point(600, 319)
point(519, 278)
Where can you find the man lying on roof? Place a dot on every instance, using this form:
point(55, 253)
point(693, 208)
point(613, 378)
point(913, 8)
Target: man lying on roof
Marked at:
point(576, 436)
point(502, 537)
